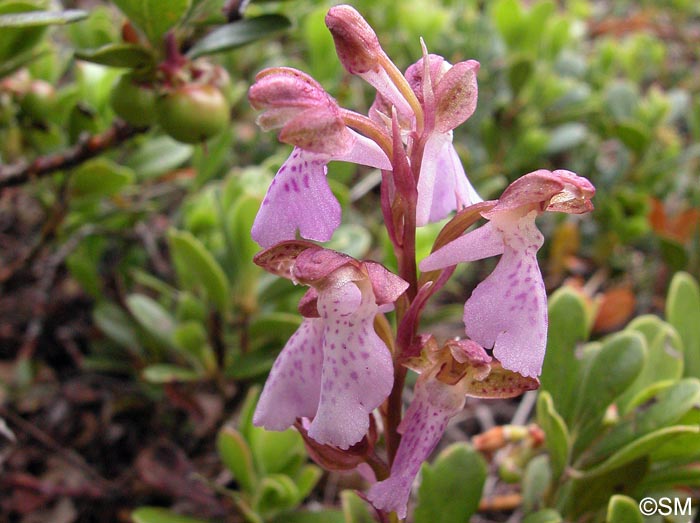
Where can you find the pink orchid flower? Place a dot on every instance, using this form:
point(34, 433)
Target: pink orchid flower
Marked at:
point(508, 310)
point(334, 369)
point(440, 96)
point(299, 198)
point(461, 368)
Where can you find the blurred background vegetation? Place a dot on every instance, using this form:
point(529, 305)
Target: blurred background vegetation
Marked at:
point(134, 328)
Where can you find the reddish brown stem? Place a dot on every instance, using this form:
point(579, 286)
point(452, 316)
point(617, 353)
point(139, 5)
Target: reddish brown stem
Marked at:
point(87, 147)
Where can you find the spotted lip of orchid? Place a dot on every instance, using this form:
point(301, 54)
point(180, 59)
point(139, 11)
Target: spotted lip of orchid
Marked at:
point(508, 310)
point(334, 369)
point(460, 368)
point(299, 198)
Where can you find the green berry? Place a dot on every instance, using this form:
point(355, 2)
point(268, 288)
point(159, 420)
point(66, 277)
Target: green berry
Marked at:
point(133, 102)
point(193, 113)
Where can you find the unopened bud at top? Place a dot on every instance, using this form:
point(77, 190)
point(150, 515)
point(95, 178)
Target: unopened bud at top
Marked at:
point(356, 42)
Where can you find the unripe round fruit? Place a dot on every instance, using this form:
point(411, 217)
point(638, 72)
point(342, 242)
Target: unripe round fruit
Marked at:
point(39, 100)
point(133, 102)
point(193, 113)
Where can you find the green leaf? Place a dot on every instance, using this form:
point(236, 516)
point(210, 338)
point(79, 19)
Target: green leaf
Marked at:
point(670, 406)
point(508, 17)
point(154, 17)
point(352, 239)
point(191, 338)
point(681, 450)
point(114, 322)
point(274, 325)
point(277, 452)
point(306, 516)
point(611, 371)
point(566, 136)
point(451, 486)
point(131, 56)
point(664, 359)
point(355, 509)
point(683, 311)
point(245, 418)
point(673, 253)
point(557, 438)
point(249, 365)
point(519, 73)
point(639, 448)
point(561, 372)
point(16, 43)
point(307, 478)
point(275, 493)
point(536, 481)
point(671, 476)
point(100, 177)
point(586, 495)
point(238, 34)
point(168, 373)
point(158, 156)
point(623, 509)
point(152, 317)
point(160, 515)
point(634, 135)
point(199, 265)
point(239, 222)
point(237, 457)
point(41, 18)
point(547, 515)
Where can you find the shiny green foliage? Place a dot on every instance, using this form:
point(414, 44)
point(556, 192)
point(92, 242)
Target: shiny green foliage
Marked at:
point(635, 417)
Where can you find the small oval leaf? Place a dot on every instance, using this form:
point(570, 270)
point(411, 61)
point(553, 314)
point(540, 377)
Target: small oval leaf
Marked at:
point(239, 33)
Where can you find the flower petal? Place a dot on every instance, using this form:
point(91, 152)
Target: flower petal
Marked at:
point(357, 366)
point(508, 310)
point(387, 286)
point(319, 130)
point(293, 387)
point(455, 95)
point(434, 149)
point(363, 151)
point(484, 242)
point(298, 199)
point(443, 186)
point(434, 403)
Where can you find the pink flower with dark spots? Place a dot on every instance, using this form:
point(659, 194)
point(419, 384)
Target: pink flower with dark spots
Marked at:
point(299, 198)
point(434, 404)
point(334, 369)
point(508, 310)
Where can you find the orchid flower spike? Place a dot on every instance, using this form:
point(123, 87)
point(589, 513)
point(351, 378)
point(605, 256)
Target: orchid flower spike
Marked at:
point(335, 368)
point(508, 310)
point(460, 368)
point(299, 198)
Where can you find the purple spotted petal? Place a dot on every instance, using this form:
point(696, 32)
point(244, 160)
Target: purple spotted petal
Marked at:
point(484, 242)
point(299, 199)
point(434, 403)
point(293, 387)
point(443, 186)
point(508, 310)
point(357, 367)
